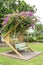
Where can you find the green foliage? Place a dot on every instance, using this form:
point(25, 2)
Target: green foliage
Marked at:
point(36, 36)
point(30, 37)
point(38, 29)
point(10, 6)
point(39, 32)
point(22, 6)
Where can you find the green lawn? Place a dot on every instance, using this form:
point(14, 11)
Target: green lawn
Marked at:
point(34, 61)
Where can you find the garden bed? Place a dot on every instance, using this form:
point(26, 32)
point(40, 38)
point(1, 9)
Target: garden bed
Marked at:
point(26, 54)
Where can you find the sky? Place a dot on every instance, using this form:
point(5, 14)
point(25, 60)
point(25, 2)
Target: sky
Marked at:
point(39, 5)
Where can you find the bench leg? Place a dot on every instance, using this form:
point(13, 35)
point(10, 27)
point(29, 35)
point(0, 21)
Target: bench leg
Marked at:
point(31, 49)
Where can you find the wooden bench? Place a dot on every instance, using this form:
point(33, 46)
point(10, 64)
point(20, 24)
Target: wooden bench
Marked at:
point(21, 46)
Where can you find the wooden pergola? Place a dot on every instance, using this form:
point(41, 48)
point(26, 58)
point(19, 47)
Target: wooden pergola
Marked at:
point(20, 37)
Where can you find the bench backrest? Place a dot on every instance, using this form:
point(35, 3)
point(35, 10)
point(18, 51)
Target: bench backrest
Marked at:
point(20, 45)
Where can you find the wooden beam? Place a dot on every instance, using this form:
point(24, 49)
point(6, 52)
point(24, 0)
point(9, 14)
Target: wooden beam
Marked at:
point(31, 49)
point(7, 42)
point(11, 30)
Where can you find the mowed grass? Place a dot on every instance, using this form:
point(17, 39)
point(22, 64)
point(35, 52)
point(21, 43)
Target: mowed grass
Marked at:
point(34, 61)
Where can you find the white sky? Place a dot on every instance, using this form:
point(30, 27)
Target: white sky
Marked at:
point(39, 6)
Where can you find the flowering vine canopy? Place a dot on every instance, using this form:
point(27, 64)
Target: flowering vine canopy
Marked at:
point(19, 21)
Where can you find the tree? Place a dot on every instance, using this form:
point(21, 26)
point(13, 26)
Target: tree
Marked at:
point(10, 6)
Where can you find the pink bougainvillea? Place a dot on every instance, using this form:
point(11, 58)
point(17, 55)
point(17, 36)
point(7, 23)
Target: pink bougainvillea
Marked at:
point(6, 19)
point(26, 13)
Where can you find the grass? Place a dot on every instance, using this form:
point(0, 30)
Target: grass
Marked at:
point(34, 61)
